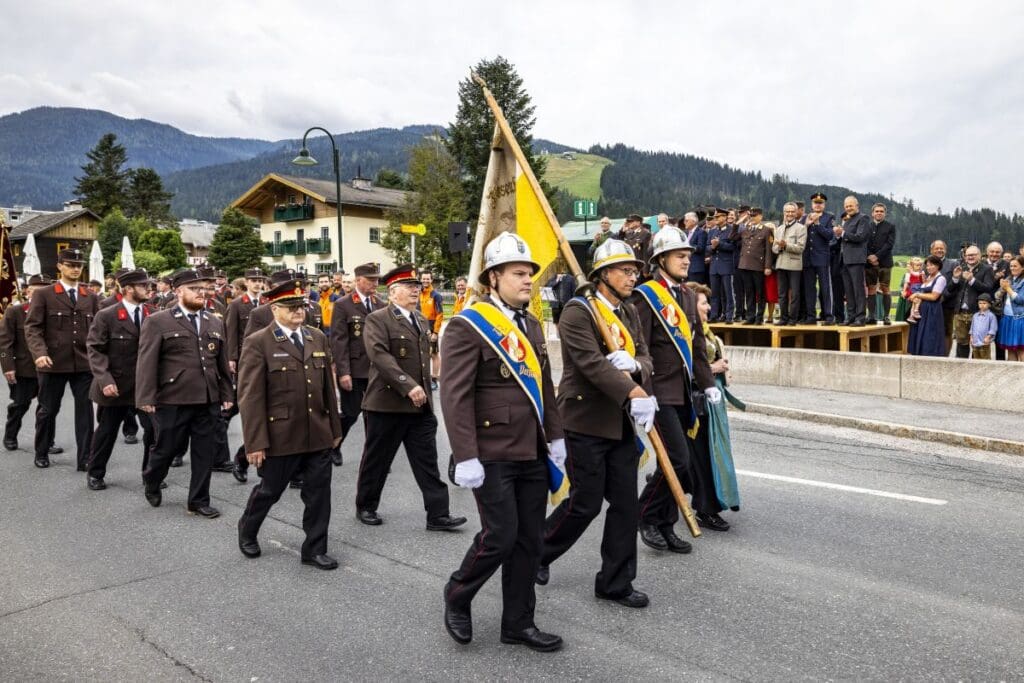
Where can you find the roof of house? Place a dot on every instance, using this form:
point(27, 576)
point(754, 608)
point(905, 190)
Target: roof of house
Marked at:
point(323, 190)
point(197, 233)
point(48, 221)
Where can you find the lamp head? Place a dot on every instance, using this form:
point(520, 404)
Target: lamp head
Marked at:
point(304, 158)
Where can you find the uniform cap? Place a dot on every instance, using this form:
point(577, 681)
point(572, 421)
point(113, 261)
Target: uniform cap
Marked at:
point(71, 256)
point(288, 292)
point(139, 276)
point(367, 270)
point(405, 273)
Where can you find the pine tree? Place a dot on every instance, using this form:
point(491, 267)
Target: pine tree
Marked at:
point(236, 244)
point(469, 138)
point(104, 183)
point(146, 197)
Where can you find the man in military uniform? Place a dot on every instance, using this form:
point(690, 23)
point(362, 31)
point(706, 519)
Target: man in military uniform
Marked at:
point(398, 406)
point(600, 391)
point(817, 271)
point(720, 247)
point(235, 320)
point(183, 382)
point(674, 380)
point(16, 361)
point(500, 439)
point(755, 265)
point(163, 293)
point(131, 425)
point(222, 288)
point(56, 329)
point(347, 323)
point(636, 236)
point(113, 344)
point(289, 420)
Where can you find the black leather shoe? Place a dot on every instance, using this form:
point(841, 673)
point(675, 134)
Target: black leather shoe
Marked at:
point(674, 543)
point(369, 517)
point(533, 638)
point(11, 444)
point(809, 321)
point(636, 599)
point(749, 321)
point(163, 484)
point(239, 474)
point(886, 321)
point(131, 439)
point(543, 575)
point(205, 511)
point(457, 621)
point(226, 466)
point(55, 450)
point(248, 546)
point(295, 484)
point(96, 484)
point(870, 321)
point(42, 462)
point(176, 461)
point(325, 562)
point(154, 497)
point(857, 323)
point(652, 537)
point(81, 468)
point(712, 521)
point(446, 523)
point(336, 458)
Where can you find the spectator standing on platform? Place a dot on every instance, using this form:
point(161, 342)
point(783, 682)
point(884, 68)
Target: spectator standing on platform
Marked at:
point(636, 234)
point(878, 272)
point(698, 239)
point(853, 235)
point(771, 279)
point(1000, 264)
point(927, 337)
point(983, 329)
point(970, 279)
point(790, 241)
point(755, 264)
point(601, 235)
point(721, 247)
point(816, 277)
point(1011, 330)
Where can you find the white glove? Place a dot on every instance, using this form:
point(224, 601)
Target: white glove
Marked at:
point(469, 474)
point(623, 361)
point(557, 450)
point(642, 410)
point(713, 394)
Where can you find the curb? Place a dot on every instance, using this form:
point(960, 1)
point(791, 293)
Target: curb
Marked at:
point(985, 443)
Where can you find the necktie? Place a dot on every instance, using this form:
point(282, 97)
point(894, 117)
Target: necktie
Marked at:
point(415, 325)
point(193, 318)
point(616, 312)
point(521, 321)
point(296, 339)
point(74, 297)
point(138, 322)
point(369, 305)
point(677, 292)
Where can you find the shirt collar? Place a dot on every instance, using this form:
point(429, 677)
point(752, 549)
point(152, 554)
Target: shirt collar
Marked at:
point(287, 331)
point(130, 307)
point(509, 312)
point(607, 303)
point(68, 286)
point(188, 312)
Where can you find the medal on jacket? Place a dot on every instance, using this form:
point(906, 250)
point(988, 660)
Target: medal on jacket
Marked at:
point(357, 326)
point(402, 352)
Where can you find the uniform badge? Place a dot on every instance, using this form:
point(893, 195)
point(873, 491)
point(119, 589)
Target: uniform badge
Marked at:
point(402, 352)
point(670, 315)
point(513, 346)
point(319, 354)
point(505, 372)
point(211, 346)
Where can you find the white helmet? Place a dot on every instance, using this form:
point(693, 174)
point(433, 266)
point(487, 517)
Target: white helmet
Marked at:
point(613, 252)
point(668, 239)
point(507, 247)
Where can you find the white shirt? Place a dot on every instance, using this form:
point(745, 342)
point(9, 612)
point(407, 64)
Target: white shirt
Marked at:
point(510, 313)
point(407, 314)
point(130, 307)
point(288, 332)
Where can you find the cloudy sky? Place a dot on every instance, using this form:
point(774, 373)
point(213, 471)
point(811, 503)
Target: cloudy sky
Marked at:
point(918, 99)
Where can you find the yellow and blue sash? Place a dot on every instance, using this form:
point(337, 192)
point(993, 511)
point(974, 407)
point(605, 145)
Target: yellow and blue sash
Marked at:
point(620, 334)
point(516, 352)
point(673, 320)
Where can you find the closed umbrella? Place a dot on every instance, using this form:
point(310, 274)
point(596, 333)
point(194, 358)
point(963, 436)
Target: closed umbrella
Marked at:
point(96, 263)
point(127, 255)
point(31, 265)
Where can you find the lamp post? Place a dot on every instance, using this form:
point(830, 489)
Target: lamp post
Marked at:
point(305, 159)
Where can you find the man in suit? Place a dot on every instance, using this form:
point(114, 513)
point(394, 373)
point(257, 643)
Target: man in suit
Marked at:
point(348, 321)
point(636, 236)
point(697, 237)
point(878, 271)
point(970, 278)
point(755, 265)
point(790, 243)
point(501, 437)
point(721, 269)
point(1000, 269)
point(130, 426)
point(16, 361)
point(816, 279)
point(600, 394)
point(736, 221)
point(235, 320)
point(183, 381)
point(290, 421)
point(398, 407)
point(113, 345)
point(673, 382)
point(853, 234)
point(56, 329)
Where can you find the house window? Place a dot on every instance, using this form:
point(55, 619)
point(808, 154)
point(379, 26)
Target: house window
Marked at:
point(374, 235)
point(277, 237)
point(325, 234)
point(300, 235)
point(325, 268)
point(291, 199)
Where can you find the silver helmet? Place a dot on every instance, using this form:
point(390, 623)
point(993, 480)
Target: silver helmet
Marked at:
point(668, 239)
point(507, 247)
point(613, 252)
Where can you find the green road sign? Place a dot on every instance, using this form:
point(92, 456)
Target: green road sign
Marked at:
point(584, 208)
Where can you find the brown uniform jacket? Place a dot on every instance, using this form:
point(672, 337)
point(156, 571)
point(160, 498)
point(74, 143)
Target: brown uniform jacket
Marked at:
point(113, 345)
point(56, 328)
point(399, 361)
point(177, 367)
point(593, 395)
point(347, 323)
point(755, 248)
point(114, 298)
point(14, 353)
point(669, 378)
point(236, 322)
point(286, 395)
point(215, 308)
point(487, 414)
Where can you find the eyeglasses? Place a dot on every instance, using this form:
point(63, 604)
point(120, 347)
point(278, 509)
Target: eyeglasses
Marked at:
point(629, 272)
point(198, 288)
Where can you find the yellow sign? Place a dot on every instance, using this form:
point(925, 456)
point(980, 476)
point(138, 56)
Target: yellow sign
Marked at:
point(415, 229)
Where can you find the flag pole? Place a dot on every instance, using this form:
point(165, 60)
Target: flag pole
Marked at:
point(584, 287)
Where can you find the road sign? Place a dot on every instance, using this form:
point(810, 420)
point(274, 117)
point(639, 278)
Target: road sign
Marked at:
point(415, 229)
point(584, 208)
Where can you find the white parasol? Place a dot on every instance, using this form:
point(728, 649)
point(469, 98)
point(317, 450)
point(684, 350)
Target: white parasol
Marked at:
point(127, 255)
point(31, 265)
point(96, 263)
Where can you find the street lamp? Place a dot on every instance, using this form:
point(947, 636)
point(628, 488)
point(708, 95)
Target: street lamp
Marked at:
point(306, 159)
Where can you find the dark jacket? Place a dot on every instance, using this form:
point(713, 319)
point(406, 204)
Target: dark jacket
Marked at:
point(721, 256)
point(235, 322)
point(113, 352)
point(111, 300)
point(883, 237)
point(56, 328)
point(399, 361)
point(348, 323)
point(755, 249)
point(964, 291)
point(819, 237)
point(14, 353)
point(699, 241)
point(854, 242)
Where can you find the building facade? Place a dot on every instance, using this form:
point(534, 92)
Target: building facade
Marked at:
point(53, 232)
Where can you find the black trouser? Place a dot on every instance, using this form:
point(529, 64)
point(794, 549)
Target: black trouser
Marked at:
point(753, 290)
point(703, 498)
point(739, 291)
point(221, 450)
point(599, 469)
point(22, 392)
point(838, 291)
point(108, 419)
point(721, 297)
point(512, 502)
point(176, 427)
point(385, 432)
point(131, 425)
point(853, 285)
point(789, 295)
point(817, 280)
point(657, 505)
point(276, 471)
point(351, 404)
point(51, 392)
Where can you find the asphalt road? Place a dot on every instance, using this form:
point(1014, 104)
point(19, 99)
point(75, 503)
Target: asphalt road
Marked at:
point(811, 583)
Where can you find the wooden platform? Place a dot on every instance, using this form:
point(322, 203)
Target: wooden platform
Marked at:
point(869, 339)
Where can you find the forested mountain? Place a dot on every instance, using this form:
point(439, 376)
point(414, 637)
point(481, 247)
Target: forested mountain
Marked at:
point(42, 150)
point(651, 182)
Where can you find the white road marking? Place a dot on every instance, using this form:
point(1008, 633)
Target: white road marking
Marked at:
point(843, 487)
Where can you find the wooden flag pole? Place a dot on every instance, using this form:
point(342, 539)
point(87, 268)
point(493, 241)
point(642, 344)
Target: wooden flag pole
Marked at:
point(586, 288)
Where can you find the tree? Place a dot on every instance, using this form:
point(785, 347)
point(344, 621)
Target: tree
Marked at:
point(104, 183)
point(237, 244)
point(437, 199)
point(145, 197)
point(112, 231)
point(153, 262)
point(469, 138)
point(167, 243)
point(390, 179)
